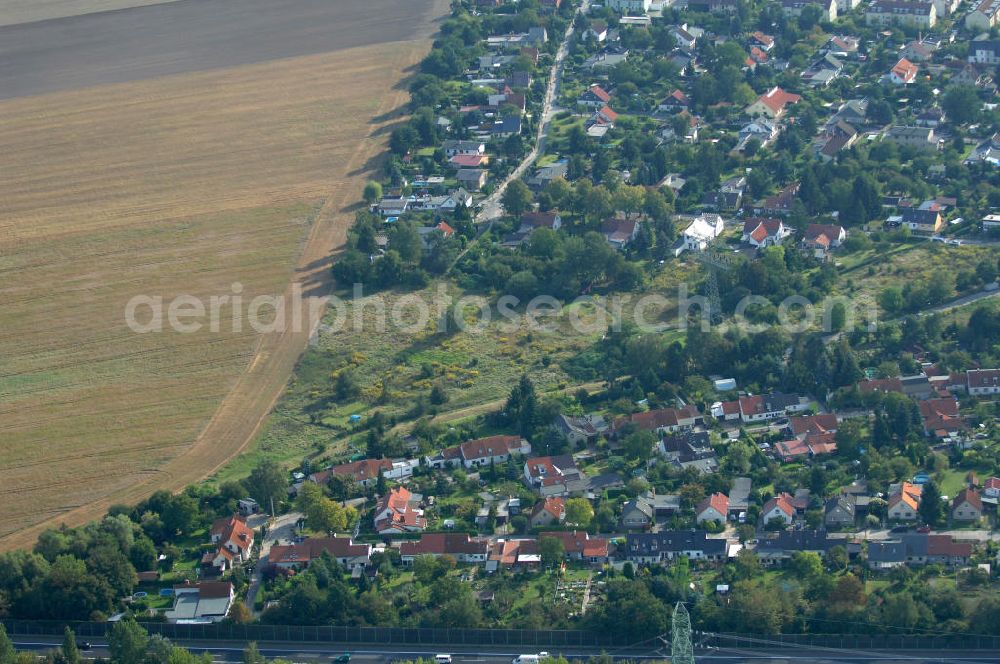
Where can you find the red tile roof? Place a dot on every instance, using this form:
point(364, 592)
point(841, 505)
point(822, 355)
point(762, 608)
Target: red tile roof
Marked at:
point(554, 506)
point(580, 542)
point(905, 70)
point(813, 423)
point(776, 99)
point(782, 501)
point(599, 92)
point(315, 547)
point(719, 501)
point(233, 530)
point(444, 544)
point(970, 496)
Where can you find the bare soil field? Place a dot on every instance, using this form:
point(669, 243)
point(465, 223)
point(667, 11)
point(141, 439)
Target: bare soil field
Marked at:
point(178, 185)
point(13, 12)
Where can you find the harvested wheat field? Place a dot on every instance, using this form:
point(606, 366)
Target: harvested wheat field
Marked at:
point(182, 184)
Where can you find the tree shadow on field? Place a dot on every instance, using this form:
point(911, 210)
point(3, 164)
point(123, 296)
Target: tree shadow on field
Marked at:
point(371, 165)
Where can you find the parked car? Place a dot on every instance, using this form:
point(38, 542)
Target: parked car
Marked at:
point(442, 659)
point(343, 659)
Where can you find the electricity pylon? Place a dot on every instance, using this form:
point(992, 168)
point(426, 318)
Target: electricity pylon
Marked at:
point(681, 647)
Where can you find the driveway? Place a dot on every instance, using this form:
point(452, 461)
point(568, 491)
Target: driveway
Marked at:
point(282, 530)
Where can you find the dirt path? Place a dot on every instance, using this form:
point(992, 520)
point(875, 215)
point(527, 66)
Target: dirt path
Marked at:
point(241, 414)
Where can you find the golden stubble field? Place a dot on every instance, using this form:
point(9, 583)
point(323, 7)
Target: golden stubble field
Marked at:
point(177, 185)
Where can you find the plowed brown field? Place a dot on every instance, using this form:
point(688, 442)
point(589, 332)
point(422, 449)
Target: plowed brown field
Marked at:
point(176, 185)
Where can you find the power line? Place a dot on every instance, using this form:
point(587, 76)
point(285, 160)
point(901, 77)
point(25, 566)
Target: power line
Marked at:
point(681, 648)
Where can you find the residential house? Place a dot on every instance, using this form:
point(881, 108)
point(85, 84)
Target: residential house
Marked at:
point(638, 513)
point(778, 508)
point(781, 546)
point(840, 512)
point(769, 406)
point(234, 535)
point(689, 449)
point(554, 476)
point(919, 50)
point(594, 97)
point(629, 6)
point(983, 381)
point(701, 232)
point(726, 411)
point(803, 425)
point(660, 421)
point(853, 112)
point(780, 203)
point(549, 511)
point(967, 506)
point(505, 127)
point(342, 549)
point(468, 161)
point(844, 45)
point(922, 138)
point(907, 13)
point(683, 38)
point(452, 148)
point(492, 450)
point(932, 117)
point(983, 16)
point(460, 546)
point(205, 602)
point(991, 487)
point(714, 6)
point(762, 130)
point(579, 545)
point(521, 553)
point(821, 239)
point(675, 102)
point(772, 104)
point(619, 232)
point(984, 52)
point(668, 545)
point(605, 60)
point(940, 417)
point(739, 495)
point(393, 206)
point(904, 501)
point(713, 508)
point(585, 429)
point(596, 30)
point(548, 173)
point(761, 232)
point(903, 72)
point(795, 7)
point(762, 41)
point(532, 220)
point(473, 179)
point(397, 512)
point(364, 472)
point(823, 71)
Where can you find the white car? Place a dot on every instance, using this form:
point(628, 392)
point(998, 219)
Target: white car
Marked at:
point(442, 659)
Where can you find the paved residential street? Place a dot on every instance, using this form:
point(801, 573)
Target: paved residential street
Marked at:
point(491, 207)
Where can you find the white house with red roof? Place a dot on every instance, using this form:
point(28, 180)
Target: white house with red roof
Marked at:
point(779, 507)
point(298, 556)
point(757, 408)
point(763, 232)
point(397, 513)
point(676, 101)
point(364, 471)
point(554, 476)
point(772, 104)
point(234, 543)
point(713, 508)
point(460, 546)
point(594, 97)
point(820, 239)
point(493, 449)
point(661, 420)
point(903, 72)
point(548, 512)
point(619, 232)
point(967, 506)
point(983, 381)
